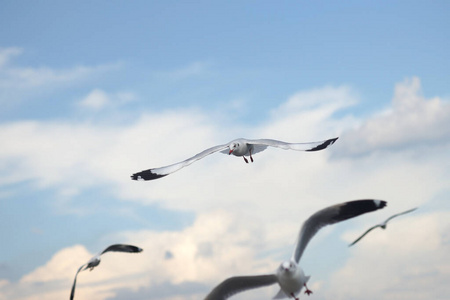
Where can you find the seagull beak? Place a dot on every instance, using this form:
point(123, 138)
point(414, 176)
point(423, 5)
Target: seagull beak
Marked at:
point(231, 151)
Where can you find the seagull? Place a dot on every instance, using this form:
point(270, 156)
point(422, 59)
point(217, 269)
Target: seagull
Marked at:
point(95, 261)
point(289, 276)
point(239, 147)
point(382, 225)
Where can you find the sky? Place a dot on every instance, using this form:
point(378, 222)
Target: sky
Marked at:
point(92, 92)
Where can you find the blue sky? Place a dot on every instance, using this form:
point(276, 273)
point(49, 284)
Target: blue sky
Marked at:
point(93, 92)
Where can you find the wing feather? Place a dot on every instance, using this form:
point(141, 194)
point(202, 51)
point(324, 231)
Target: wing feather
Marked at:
point(311, 146)
point(122, 248)
point(155, 173)
point(330, 215)
point(364, 234)
point(234, 285)
point(399, 214)
point(72, 292)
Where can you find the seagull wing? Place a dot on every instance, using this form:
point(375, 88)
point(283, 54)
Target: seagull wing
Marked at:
point(402, 213)
point(367, 231)
point(155, 173)
point(94, 261)
point(261, 144)
point(72, 292)
point(330, 215)
point(234, 285)
point(122, 248)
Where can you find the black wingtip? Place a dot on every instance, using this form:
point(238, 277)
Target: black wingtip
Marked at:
point(355, 208)
point(123, 248)
point(146, 175)
point(324, 145)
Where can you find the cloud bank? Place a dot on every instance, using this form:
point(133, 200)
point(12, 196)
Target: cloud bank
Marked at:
point(247, 215)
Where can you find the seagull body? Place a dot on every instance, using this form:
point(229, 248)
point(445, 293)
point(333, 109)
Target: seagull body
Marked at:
point(381, 225)
point(239, 147)
point(289, 276)
point(291, 279)
point(95, 260)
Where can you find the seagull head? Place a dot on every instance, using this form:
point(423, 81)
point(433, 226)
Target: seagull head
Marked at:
point(233, 146)
point(287, 268)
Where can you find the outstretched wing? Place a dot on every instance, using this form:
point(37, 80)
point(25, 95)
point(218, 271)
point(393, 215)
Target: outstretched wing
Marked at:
point(367, 231)
point(399, 214)
point(72, 292)
point(122, 248)
point(155, 173)
point(330, 215)
point(234, 285)
point(261, 144)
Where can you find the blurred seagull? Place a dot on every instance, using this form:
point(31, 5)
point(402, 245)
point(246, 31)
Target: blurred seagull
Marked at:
point(239, 147)
point(382, 225)
point(95, 261)
point(289, 276)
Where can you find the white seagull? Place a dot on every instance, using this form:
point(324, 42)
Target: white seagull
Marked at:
point(95, 261)
point(289, 276)
point(239, 147)
point(382, 225)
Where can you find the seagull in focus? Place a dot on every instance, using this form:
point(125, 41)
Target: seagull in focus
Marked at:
point(381, 225)
point(240, 147)
point(289, 276)
point(95, 261)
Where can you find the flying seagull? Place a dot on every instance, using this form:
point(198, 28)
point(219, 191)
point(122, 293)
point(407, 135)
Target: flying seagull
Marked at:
point(239, 147)
point(289, 276)
point(95, 261)
point(382, 225)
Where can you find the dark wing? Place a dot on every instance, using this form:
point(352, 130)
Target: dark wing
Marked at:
point(72, 292)
point(155, 173)
point(261, 144)
point(399, 214)
point(323, 145)
point(367, 231)
point(234, 285)
point(122, 248)
point(330, 215)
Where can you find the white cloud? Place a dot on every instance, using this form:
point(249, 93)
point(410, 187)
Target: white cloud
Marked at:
point(218, 244)
point(60, 265)
point(412, 121)
point(330, 99)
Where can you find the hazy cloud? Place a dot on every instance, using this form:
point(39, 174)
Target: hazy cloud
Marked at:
point(193, 69)
point(95, 100)
point(16, 77)
point(7, 53)
point(98, 99)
